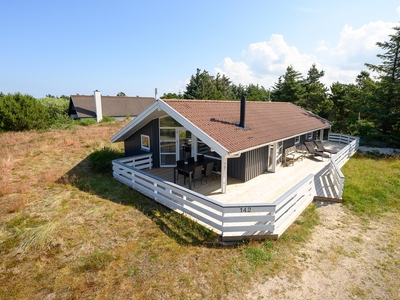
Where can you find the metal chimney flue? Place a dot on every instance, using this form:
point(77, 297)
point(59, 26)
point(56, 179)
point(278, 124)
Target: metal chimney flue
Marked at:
point(242, 112)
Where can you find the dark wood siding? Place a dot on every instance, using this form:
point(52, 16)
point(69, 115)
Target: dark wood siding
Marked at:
point(303, 138)
point(237, 167)
point(249, 165)
point(132, 144)
point(288, 143)
point(315, 135)
point(256, 162)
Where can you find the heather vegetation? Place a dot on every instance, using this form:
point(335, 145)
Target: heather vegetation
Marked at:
point(69, 230)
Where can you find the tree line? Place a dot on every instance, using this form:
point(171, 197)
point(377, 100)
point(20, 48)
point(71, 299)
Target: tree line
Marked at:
point(369, 108)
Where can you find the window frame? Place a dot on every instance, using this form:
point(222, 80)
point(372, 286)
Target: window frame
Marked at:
point(143, 146)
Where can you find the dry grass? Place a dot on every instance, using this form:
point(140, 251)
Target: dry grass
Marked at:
point(68, 233)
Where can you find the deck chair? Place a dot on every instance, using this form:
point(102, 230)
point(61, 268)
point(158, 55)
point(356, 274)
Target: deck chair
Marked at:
point(200, 157)
point(181, 163)
point(208, 170)
point(321, 147)
point(197, 174)
point(190, 160)
point(310, 148)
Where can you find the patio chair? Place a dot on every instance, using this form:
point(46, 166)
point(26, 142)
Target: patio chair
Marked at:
point(181, 163)
point(321, 147)
point(200, 157)
point(190, 160)
point(310, 148)
point(197, 174)
point(208, 170)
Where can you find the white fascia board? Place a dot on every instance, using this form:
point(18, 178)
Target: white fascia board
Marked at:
point(119, 136)
point(194, 129)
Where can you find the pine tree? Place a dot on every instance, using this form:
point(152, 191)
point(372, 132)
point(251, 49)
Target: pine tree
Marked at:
point(289, 87)
point(315, 98)
point(201, 86)
point(386, 105)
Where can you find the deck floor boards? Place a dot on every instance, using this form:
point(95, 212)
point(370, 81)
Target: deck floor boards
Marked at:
point(266, 187)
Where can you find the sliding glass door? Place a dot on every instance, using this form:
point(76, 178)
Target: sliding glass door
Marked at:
point(175, 142)
point(168, 146)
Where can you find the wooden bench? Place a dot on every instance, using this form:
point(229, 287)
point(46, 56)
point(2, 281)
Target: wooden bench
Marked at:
point(292, 154)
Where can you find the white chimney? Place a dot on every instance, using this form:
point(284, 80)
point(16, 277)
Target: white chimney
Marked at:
point(97, 105)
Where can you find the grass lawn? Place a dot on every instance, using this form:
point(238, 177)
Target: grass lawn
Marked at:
point(67, 231)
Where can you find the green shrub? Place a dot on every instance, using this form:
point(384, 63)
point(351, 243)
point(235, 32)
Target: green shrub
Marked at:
point(107, 119)
point(86, 122)
point(57, 108)
point(101, 161)
point(22, 112)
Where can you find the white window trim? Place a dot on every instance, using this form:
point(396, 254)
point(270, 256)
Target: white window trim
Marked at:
point(297, 140)
point(142, 146)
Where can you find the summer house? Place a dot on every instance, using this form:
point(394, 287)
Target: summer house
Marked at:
point(249, 145)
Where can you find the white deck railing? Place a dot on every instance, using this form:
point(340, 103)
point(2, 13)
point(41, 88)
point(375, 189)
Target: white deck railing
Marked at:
point(339, 159)
point(232, 221)
point(141, 162)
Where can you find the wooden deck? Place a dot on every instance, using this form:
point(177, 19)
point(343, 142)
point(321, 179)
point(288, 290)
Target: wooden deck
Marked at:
point(266, 187)
point(262, 207)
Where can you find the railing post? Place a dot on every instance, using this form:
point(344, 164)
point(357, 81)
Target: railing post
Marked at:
point(155, 191)
point(341, 186)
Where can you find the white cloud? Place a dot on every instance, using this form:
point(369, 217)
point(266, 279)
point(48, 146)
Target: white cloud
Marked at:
point(238, 72)
point(398, 10)
point(265, 61)
point(321, 46)
point(335, 73)
point(276, 55)
point(362, 40)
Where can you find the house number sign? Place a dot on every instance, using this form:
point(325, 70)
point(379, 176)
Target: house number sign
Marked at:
point(245, 209)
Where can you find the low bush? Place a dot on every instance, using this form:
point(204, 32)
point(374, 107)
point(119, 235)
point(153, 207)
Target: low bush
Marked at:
point(22, 112)
point(101, 161)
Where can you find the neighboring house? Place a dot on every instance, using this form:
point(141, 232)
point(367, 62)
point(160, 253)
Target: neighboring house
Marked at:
point(118, 107)
point(248, 138)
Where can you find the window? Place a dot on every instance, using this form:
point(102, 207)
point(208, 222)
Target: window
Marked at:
point(297, 140)
point(309, 136)
point(145, 142)
point(168, 121)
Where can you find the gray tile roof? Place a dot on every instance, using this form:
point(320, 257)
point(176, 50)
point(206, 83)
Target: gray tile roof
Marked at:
point(112, 106)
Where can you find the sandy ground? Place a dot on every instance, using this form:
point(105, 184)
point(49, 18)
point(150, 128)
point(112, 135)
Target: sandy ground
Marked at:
point(344, 259)
point(388, 151)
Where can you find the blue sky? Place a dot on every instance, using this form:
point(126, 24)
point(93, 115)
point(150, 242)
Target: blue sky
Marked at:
point(76, 47)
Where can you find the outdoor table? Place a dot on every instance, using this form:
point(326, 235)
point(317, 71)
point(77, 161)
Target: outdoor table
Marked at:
point(187, 169)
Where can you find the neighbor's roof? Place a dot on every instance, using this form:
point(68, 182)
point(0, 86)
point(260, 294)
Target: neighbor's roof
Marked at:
point(216, 122)
point(266, 121)
point(112, 106)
